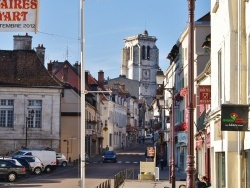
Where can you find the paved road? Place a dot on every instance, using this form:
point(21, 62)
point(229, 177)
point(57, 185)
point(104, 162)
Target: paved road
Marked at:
point(96, 173)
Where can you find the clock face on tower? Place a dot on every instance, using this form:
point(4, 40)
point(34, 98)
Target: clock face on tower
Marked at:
point(146, 73)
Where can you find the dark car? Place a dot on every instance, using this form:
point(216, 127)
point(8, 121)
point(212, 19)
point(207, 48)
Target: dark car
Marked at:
point(25, 164)
point(109, 156)
point(10, 172)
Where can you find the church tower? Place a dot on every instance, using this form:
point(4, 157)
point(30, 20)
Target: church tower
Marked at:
point(140, 61)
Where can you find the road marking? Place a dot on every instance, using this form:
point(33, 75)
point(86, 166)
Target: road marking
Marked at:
point(120, 153)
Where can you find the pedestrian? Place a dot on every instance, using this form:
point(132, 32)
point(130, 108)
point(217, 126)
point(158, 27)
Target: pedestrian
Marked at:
point(205, 180)
point(122, 145)
point(107, 148)
point(202, 183)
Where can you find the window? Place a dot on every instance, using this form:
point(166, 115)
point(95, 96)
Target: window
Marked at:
point(6, 113)
point(36, 120)
point(143, 52)
point(110, 140)
point(221, 180)
point(148, 52)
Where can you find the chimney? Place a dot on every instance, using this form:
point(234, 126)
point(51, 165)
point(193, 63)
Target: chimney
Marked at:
point(65, 73)
point(101, 79)
point(50, 67)
point(78, 67)
point(86, 77)
point(22, 42)
point(40, 52)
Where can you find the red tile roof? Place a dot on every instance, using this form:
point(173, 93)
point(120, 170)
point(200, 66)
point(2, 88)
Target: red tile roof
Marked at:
point(24, 68)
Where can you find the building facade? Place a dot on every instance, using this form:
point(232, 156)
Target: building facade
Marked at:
point(140, 61)
point(30, 100)
point(230, 86)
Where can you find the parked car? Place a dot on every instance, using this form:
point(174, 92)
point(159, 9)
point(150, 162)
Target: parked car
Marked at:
point(10, 172)
point(36, 164)
point(14, 161)
point(48, 157)
point(19, 162)
point(109, 156)
point(61, 160)
point(25, 164)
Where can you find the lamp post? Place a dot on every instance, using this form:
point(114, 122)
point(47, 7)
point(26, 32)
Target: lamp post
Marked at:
point(190, 156)
point(160, 96)
point(30, 117)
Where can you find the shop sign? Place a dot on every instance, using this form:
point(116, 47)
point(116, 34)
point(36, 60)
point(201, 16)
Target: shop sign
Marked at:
point(205, 94)
point(150, 151)
point(234, 117)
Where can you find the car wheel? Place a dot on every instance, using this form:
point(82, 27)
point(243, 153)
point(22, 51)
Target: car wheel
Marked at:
point(37, 171)
point(11, 177)
point(64, 163)
point(48, 169)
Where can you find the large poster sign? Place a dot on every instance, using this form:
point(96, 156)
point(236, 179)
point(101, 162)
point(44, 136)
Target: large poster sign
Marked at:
point(19, 15)
point(234, 117)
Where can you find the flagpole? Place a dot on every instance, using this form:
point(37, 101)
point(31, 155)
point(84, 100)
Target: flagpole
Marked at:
point(82, 38)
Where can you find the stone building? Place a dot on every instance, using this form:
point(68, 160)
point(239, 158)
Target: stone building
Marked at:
point(29, 100)
point(140, 61)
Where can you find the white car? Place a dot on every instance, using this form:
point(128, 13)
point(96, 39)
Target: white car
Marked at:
point(35, 163)
point(61, 159)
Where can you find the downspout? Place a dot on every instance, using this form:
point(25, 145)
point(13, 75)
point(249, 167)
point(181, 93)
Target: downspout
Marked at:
point(241, 82)
point(239, 90)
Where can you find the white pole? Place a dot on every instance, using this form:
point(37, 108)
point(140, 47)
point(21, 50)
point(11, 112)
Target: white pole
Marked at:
point(82, 183)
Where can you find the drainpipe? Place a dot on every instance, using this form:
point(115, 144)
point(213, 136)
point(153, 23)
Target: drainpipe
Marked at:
point(241, 81)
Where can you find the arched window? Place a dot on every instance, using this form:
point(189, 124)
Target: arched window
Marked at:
point(143, 52)
point(148, 52)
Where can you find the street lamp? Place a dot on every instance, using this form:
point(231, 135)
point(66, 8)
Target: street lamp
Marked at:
point(190, 156)
point(30, 117)
point(160, 97)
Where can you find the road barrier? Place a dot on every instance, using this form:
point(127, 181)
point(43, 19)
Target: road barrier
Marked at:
point(105, 184)
point(119, 179)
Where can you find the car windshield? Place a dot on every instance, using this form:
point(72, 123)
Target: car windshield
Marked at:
point(109, 153)
point(19, 153)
